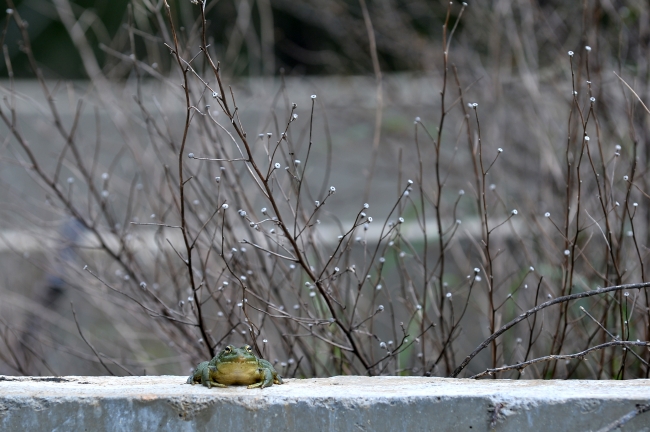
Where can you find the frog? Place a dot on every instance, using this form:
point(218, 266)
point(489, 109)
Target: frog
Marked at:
point(235, 366)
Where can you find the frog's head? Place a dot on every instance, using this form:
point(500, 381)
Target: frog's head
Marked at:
point(230, 354)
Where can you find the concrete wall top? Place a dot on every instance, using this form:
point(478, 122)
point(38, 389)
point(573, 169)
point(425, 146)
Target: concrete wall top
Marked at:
point(349, 403)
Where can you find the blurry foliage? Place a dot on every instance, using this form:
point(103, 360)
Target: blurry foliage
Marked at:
point(324, 36)
point(51, 43)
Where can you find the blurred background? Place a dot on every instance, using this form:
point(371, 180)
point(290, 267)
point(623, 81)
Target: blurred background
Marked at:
point(329, 37)
point(258, 38)
point(374, 71)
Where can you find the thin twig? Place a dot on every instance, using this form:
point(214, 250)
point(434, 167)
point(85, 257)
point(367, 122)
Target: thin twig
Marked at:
point(633, 92)
point(88, 343)
point(580, 355)
point(542, 306)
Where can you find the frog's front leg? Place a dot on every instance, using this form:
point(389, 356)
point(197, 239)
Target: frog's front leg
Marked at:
point(266, 379)
point(277, 379)
point(208, 373)
point(196, 375)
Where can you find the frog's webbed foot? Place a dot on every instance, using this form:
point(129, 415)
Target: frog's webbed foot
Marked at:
point(212, 383)
point(277, 379)
point(267, 379)
point(207, 377)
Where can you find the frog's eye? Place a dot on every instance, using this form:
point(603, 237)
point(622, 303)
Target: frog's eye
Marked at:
point(248, 348)
point(228, 349)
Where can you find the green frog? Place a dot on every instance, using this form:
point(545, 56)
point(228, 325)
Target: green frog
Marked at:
point(235, 366)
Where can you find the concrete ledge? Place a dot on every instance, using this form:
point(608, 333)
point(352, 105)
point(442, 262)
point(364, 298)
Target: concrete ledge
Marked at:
point(327, 404)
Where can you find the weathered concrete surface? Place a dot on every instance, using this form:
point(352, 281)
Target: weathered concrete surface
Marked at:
point(328, 404)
